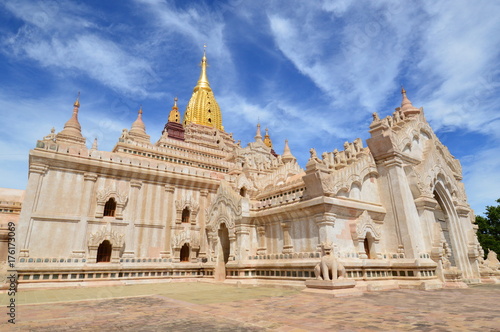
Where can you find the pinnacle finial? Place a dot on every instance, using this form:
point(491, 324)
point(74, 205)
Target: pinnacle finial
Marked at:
point(94, 145)
point(174, 115)
point(287, 154)
point(258, 135)
point(140, 109)
point(77, 102)
point(267, 139)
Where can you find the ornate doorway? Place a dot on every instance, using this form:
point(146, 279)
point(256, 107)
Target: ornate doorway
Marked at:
point(443, 219)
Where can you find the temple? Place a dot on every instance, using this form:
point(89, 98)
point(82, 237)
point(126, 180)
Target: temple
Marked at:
point(196, 204)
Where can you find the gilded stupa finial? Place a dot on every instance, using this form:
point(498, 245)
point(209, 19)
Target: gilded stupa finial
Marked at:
point(267, 139)
point(77, 101)
point(174, 115)
point(202, 108)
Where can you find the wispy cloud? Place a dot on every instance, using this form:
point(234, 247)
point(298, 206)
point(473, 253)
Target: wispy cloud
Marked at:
point(55, 35)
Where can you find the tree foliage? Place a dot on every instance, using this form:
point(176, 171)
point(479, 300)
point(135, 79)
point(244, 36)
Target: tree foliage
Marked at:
point(488, 232)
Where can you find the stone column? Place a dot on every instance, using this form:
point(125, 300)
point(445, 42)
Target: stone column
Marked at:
point(135, 187)
point(325, 223)
point(30, 204)
point(261, 233)
point(168, 220)
point(232, 246)
point(287, 239)
point(88, 196)
point(405, 213)
point(426, 204)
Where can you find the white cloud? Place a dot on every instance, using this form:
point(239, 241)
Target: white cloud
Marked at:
point(460, 51)
point(55, 35)
point(481, 178)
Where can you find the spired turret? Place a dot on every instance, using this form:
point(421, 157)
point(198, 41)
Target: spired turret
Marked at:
point(202, 108)
point(72, 132)
point(174, 128)
point(138, 130)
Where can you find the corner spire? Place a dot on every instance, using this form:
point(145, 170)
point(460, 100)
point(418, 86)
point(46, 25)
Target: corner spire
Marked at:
point(72, 132)
point(174, 115)
point(138, 130)
point(287, 155)
point(406, 104)
point(258, 135)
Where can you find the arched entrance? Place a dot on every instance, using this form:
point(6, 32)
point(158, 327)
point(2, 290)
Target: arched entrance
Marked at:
point(224, 241)
point(368, 243)
point(104, 252)
point(442, 217)
point(184, 257)
point(223, 250)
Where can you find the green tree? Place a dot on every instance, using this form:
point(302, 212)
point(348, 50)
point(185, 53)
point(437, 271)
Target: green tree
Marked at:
point(488, 232)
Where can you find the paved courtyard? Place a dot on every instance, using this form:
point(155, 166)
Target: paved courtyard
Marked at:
point(216, 307)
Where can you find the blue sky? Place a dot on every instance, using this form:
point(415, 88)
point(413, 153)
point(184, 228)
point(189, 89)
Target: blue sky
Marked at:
point(310, 71)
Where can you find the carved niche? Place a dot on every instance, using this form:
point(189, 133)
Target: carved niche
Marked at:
point(366, 228)
point(186, 203)
point(104, 195)
point(115, 238)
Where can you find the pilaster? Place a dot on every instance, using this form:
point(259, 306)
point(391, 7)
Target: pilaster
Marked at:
point(80, 238)
point(168, 221)
point(287, 239)
point(35, 178)
point(135, 187)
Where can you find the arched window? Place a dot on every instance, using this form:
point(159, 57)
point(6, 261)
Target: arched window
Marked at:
point(185, 215)
point(104, 252)
point(185, 253)
point(243, 192)
point(110, 208)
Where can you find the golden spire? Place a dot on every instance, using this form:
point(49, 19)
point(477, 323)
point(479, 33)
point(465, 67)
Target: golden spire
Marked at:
point(77, 102)
point(174, 115)
point(267, 140)
point(202, 108)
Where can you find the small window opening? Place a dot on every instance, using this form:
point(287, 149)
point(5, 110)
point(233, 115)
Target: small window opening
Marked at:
point(110, 208)
point(104, 252)
point(185, 215)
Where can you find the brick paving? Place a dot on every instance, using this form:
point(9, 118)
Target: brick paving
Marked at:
point(217, 307)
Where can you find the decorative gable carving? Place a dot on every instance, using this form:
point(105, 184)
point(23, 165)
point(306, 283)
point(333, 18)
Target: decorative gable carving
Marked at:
point(226, 208)
point(116, 239)
point(365, 224)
